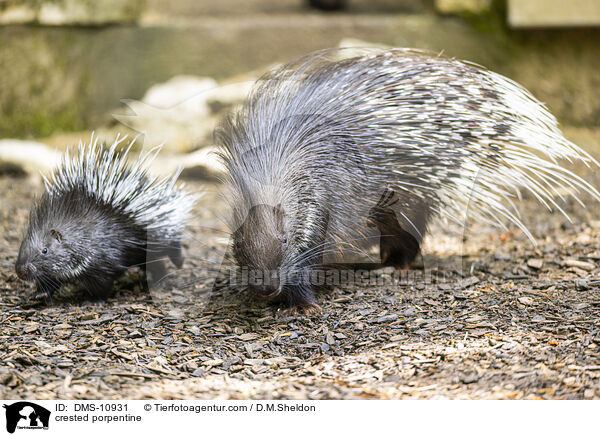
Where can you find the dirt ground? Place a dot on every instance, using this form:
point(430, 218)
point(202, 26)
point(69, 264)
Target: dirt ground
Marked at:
point(490, 316)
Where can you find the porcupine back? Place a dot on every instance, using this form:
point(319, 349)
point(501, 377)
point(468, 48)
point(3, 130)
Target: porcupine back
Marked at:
point(441, 131)
point(105, 174)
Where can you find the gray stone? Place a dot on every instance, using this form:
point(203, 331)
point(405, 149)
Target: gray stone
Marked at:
point(202, 165)
point(174, 113)
point(553, 13)
point(182, 113)
point(72, 12)
point(32, 157)
point(462, 6)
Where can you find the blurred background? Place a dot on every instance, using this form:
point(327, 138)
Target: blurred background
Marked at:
point(170, 68)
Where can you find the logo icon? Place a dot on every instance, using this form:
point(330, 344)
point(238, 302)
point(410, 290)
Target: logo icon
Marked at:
point(26, 415)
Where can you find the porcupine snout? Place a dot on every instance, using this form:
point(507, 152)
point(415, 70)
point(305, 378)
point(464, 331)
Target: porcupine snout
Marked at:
point(25, 270)
point(268, 285)
point(258, 246)
point(262, 264)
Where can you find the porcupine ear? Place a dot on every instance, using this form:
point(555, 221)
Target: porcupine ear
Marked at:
point(279, 210)
point(56, 235)
point(279, 216)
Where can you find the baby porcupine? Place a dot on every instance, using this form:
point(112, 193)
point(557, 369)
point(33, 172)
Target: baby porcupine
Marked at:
point(323, 150)
point(100, 215)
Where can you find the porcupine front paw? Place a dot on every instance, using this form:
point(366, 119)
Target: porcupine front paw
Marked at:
point(308, 310)
point(398, 250)
point(46, 289)
point(99, 289)
point(301, 299)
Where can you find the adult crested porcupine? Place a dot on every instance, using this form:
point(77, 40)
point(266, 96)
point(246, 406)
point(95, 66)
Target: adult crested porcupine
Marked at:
point(324, 149)
point(100, 215)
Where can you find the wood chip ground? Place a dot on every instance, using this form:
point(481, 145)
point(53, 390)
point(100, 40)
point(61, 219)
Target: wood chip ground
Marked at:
point(510, 321)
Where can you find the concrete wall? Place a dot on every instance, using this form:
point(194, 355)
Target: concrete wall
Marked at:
point(67, 78)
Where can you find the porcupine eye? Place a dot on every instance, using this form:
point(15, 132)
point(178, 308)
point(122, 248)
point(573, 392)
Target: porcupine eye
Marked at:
point(44, 250)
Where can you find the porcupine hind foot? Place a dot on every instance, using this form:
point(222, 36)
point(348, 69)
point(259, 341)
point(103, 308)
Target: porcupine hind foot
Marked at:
point(398, 247)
